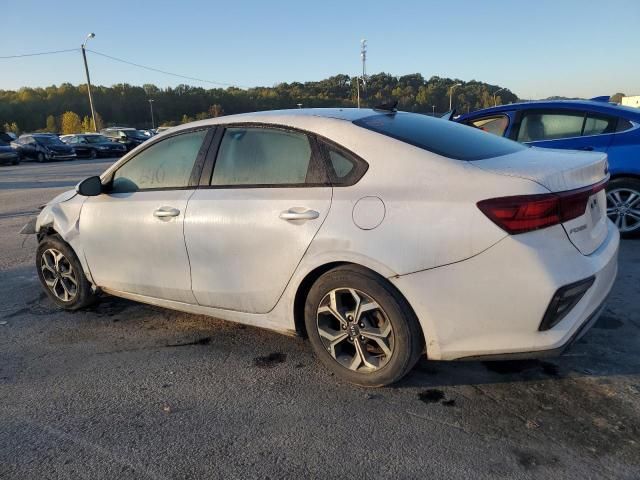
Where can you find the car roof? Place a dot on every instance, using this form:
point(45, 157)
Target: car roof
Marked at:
point(295, 117)
point(588, 105)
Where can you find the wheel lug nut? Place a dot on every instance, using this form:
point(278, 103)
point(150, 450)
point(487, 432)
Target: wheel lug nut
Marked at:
point(361, 325)
point(344, 327)
point(361, 337)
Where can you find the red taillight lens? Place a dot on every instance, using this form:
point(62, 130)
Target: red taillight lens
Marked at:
point(524, 213)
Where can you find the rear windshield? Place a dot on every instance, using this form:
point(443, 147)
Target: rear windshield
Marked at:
point(443, 137)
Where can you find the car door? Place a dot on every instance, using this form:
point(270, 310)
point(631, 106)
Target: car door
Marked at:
point(249, 227)
point(28, 146)
point(566, 129)
point(133, 235)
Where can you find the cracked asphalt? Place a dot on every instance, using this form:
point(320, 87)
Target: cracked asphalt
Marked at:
point(125, 390)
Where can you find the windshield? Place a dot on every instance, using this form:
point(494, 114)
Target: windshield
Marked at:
point(96, 139)
point(49, 140)
point(135, 134)
point(442, 137)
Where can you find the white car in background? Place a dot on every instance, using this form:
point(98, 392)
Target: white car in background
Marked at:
point(379, 235)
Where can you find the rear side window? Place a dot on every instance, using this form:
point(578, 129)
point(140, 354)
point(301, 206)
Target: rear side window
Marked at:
point(496, 125)
point(623, 125)
point(536, 126)
point(599, 124)
point(443, 137)
point(263, 156)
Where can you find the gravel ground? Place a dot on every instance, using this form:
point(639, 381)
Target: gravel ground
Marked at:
point(131, 391)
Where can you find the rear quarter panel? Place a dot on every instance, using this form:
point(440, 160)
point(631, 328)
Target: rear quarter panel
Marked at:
point(430, 213)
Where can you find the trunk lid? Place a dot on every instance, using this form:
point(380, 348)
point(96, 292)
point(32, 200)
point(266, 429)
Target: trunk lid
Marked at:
point(561, 171)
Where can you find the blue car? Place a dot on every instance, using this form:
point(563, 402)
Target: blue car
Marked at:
point(589, 125)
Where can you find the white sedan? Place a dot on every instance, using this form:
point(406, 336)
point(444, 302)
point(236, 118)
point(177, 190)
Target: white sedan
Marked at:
point(379, 235)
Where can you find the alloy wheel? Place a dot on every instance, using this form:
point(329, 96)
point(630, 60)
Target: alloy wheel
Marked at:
point(355, 330)
point(58, 275)
point(623, 208)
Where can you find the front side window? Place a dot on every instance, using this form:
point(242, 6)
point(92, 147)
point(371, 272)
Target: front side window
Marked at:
point(166, 164)
point(536, 126)
point(263, 156)
point(496, 125)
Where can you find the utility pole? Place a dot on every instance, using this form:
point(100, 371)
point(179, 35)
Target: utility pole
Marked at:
point(153, 123)
point(86, 69)
point(495, 104)
point(451, 94)
point(434, 110)
point(363, 57)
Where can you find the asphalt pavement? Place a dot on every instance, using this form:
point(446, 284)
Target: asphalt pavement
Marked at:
point(125, 390)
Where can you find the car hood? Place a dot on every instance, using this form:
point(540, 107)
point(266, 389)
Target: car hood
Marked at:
point(63, 197)
point(60, 148)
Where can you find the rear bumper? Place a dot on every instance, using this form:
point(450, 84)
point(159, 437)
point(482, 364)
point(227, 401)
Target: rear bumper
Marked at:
point(552, 352)
point(491, 305)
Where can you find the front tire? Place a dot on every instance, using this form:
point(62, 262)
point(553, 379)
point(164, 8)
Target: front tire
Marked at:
point(623, 205)
point(93, 155)
point(61, 274)
point(361, 328)
point(40, 157)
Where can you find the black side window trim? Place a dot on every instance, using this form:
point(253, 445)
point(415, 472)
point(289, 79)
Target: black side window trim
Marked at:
point(317, 165)
point(197, 166)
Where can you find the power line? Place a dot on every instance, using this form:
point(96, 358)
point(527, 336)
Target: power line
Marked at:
point(164, 71)
point(40, 53)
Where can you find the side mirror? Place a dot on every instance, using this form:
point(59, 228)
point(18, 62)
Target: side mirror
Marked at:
point(90, 187)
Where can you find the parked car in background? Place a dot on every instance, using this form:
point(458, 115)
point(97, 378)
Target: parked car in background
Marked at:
point(94, 145)
point(298, 221)
point(44, 147)
point(587, 125)
point(7, 153)
point(129, 137)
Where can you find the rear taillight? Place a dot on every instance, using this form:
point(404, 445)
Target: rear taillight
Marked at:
point(524, 213)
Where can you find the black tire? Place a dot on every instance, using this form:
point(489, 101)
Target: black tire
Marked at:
point(15, 162)
point(624, 187)
point(70, 265)
point(93, 155)
point(40, 157)
point(408, 342)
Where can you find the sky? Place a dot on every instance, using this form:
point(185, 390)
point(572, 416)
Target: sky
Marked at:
point(536, 49)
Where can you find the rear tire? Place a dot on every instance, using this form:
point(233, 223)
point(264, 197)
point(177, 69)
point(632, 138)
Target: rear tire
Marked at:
point(375, 338)
point(93, 155)
point(623, 205)
point(40, 157)
point(61, 274)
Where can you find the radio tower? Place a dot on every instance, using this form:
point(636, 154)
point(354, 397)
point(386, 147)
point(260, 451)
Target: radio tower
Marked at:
point(363, 56)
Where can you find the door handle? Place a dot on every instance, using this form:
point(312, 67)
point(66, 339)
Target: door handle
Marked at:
point(291, 214)
point(164, 212)
point(588, 149)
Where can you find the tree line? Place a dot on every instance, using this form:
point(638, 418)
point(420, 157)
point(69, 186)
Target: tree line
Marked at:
point(65, 108)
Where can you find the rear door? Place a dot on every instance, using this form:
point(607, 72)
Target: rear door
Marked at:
point(248, 228)
point(566, 129)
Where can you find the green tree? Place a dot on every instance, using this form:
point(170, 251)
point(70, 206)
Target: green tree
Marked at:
point(71, 123)
point(617, 98)
point(52, 125)
point(216, 111)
